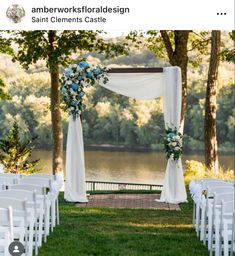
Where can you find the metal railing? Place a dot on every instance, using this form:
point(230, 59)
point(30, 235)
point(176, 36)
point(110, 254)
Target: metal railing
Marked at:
point(107, 185)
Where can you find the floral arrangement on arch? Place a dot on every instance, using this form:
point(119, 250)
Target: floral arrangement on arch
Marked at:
point(15, 13)
point(74, 79)
point(173, 142)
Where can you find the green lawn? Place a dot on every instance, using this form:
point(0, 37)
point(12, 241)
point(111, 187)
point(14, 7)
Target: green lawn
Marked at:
point(124, 232)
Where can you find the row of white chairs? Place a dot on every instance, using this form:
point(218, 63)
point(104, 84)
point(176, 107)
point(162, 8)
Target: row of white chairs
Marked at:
point(214, 214)
point(29, 210)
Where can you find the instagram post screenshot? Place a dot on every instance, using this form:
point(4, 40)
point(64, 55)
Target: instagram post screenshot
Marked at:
point(117, 128)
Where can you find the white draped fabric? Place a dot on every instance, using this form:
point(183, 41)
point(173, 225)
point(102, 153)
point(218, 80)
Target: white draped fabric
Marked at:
point(173, 187)
point(138, 86)
point(75, 185)
point(142, 86)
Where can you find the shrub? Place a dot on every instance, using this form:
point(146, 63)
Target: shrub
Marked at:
point(14, 154)
point(197, 170)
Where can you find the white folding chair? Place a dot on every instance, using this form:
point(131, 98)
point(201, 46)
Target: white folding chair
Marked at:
point(214, 238)
point(196, 188)
point(206, 207)
point(55, 188)
point(226, 225)
point(215, 195)
point(35, 230)
point(42, 198)
point(200, 204)
point(46, 182)
point(23, 220)
point(232, 251)
point(6, 230)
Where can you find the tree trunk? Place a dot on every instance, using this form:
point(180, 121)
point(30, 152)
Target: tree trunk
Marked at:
point(57, 163)
point(178, 56)
point(211, 154)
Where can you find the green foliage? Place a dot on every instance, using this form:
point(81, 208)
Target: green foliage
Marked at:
point(3, 94)
point(36, 45)
point(197, 170)
point(152, 39)
point(228, 54)
point(5, 47)
point(14, 154)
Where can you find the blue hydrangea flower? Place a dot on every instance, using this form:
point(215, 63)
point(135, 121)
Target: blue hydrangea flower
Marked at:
point(89, 75)
point(81, 94)
point(84, 64)
point(68, 72)
point(63, 90)
point(74, 86)
point(97, 71)
point(171, 134)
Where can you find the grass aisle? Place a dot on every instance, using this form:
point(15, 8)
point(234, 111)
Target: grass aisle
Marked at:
point(123, 232)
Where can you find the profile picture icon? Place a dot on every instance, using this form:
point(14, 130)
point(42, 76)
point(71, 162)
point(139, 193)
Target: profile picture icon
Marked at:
point(15, 13)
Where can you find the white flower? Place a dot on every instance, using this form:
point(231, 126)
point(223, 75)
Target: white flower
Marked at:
point(74, 65)
point(69, 82)
point(177, 148)
point(173, 144)
point(177, 137)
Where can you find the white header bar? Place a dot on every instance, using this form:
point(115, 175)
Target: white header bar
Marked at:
point(121, 14)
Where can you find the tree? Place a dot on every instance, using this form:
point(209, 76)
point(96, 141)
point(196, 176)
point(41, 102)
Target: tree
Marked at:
point(211, 148)
point(14, 153)
point(56, 47)
point(175, 46)
point(4, 48)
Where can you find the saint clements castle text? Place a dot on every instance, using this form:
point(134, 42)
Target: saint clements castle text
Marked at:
point(55, 19)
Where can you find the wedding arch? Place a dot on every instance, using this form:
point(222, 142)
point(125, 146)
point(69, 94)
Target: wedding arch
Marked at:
point(137, 83)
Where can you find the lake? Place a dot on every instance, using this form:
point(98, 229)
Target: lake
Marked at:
point(139, 167)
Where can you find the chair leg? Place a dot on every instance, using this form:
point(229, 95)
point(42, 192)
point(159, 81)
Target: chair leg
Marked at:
point(203, 212)
point(197, 218)
point(217, 238)
point(194, 209)
point(57, 211)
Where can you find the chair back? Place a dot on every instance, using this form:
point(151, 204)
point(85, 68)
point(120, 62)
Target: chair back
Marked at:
point(219, 190)
point(227, 207)
point(19, 194)
point(206, 185)
point(10, 175)
point(43, 176)
point(37, 181)
point(7, 180)
point(218, 198)
point(16, 204)
point(39, 190)
point(6, 220)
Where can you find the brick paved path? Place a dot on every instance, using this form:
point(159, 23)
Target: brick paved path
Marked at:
point(132, 201)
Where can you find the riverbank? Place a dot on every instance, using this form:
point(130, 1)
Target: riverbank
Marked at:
point(136, 148)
